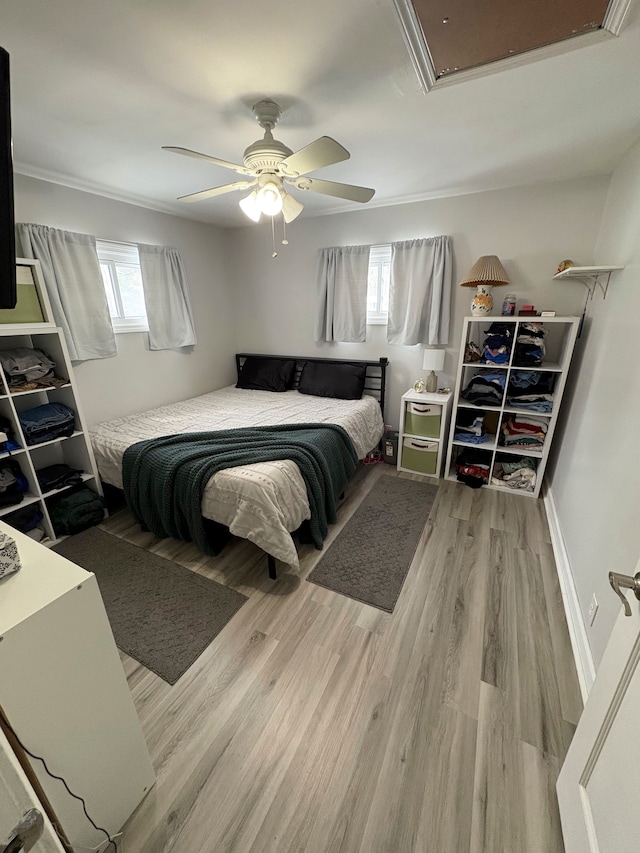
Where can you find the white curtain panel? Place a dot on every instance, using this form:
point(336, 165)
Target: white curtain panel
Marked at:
point(420, 292)
point(341, 278)
point(71, 273)
point(166, 298)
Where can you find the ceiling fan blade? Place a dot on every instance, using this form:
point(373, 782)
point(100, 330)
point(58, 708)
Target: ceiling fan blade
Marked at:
point(346, 191)
point(187, 152)
point(325, 151)
point(227, 188)
point(291, 207)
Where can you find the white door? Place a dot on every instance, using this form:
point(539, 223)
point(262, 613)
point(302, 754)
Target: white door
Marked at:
point(16, 798)
point(599, 783)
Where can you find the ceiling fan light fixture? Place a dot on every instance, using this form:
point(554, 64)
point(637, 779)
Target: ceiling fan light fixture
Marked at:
point(269, 199)
point(291, 207)
point(250, 207)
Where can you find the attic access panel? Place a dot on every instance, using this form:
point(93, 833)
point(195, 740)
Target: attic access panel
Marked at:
point(462, 35)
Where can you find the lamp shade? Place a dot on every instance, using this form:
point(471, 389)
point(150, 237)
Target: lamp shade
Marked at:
point(486, 270)
point(269, 199)
point(250, 207)
point(433, 359)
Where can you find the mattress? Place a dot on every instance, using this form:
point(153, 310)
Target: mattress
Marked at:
point(264, 502)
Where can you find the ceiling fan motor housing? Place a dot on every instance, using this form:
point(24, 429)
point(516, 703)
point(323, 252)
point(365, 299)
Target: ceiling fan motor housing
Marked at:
point(265, 154)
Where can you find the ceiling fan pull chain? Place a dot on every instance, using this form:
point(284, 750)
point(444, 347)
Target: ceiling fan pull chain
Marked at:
point(285, 242)
point(273, 237)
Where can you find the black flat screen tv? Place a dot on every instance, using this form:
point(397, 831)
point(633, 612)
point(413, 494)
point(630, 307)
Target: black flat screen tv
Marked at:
point(7, 224)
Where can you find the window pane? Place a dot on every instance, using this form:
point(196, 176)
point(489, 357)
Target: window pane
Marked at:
point(384, 290)
point(378, 284)
point(373, 287)
point(108, 286)
point(131, 293)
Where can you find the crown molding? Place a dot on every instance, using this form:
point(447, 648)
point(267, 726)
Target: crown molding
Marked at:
point(93, 188)
point(344, 208)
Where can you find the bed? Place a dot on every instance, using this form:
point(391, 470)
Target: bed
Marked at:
point(264, 502)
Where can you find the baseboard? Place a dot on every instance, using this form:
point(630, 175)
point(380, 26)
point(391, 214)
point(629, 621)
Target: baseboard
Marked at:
point(577, 630)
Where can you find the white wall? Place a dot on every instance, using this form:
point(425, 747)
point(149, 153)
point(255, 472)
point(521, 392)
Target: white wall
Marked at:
point(596, 482)
point(138, 379)
point(530, 228)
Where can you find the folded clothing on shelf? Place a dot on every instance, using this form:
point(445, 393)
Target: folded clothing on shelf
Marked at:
point(75, 511)
point(470, 426)
point(24, 364)
point(523, 432)
point(26, 518)
point(486, 388)
point(58, 477)
point(530, 347)
point(531, 390)
point(496, 348)
point(46, 422)
point(13, 483)
point(516, 474)
point(7, 436)
point(472, 467)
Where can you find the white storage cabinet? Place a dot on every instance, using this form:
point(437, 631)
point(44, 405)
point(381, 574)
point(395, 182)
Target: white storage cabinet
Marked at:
point(559, 342)
point(64, 692)
point(423, 427)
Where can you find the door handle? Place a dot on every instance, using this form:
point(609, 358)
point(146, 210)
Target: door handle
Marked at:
point(24, 836)
point(619, 582)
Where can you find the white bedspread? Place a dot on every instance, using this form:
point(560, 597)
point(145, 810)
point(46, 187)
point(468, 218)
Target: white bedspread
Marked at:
point(264, 502)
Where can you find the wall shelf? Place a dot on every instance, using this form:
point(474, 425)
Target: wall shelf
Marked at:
point(591, 277)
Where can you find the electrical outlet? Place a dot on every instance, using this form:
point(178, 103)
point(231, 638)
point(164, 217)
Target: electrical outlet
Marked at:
point(593, 609)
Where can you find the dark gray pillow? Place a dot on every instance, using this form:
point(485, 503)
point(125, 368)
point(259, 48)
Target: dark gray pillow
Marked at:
point(267, 374)
point(324, 379)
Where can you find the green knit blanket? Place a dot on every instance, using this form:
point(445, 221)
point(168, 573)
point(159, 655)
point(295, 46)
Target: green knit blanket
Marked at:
point(164, 478)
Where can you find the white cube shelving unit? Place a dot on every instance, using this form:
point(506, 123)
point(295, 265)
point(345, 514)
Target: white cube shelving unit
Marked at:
point(560, 342)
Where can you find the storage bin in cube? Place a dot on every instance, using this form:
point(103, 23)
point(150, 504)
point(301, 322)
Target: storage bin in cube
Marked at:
point(422, 419)
point(419, 456)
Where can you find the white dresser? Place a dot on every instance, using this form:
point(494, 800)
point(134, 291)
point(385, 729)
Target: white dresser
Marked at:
point(63, 690)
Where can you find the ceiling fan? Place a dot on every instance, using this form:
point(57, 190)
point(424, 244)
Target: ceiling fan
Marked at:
point(271, 168)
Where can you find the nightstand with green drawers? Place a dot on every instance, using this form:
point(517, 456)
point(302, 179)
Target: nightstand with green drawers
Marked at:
point(424, 419)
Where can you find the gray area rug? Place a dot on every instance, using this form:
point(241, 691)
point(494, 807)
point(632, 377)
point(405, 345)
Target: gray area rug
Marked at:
point(370, 557)
point(161, 614)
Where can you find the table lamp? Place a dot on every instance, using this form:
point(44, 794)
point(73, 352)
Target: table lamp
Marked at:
point(486, 273)
point(432, 359)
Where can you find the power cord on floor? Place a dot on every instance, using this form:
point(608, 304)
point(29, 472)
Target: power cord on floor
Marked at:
point(112, 842)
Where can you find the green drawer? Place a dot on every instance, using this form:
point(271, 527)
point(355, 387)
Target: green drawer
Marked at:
point(422, 419)
point(419, 456)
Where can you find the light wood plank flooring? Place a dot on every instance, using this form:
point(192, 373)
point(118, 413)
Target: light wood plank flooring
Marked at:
point(315, 723)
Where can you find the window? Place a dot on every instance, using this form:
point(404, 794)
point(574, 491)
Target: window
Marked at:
point(120, 268)
point(378, 285)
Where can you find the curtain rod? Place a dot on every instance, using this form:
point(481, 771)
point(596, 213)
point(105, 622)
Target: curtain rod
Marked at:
point(116, 242)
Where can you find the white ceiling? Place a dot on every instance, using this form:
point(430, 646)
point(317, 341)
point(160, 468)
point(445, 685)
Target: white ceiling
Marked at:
point(98, 88)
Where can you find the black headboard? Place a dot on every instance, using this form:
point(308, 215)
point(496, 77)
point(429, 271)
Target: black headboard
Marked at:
point(375, 377)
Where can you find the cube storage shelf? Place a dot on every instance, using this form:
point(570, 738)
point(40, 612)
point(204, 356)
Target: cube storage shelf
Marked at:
point(559, 342)
point(74, 450)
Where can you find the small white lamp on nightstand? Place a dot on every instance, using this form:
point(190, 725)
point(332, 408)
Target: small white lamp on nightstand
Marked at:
point(432, 359)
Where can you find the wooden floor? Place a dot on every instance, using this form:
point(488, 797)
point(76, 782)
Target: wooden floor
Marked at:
point(316, 724)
